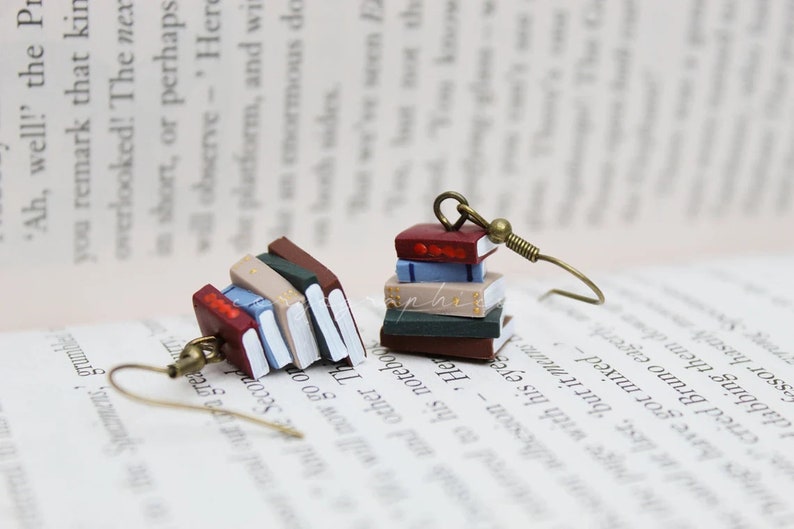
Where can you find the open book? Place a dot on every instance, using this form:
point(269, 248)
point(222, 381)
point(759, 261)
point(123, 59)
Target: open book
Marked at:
point(146, 148)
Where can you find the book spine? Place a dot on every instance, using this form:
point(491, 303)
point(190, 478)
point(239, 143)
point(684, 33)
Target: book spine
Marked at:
point(254, 275)
point(419, 249)
point(474, 348)
point(426, 272)
point(414, 323)
point(286, 249)
point(261, 311)
point(331, 287)
point(301, 279)
point(217, 316)
point(452, 299)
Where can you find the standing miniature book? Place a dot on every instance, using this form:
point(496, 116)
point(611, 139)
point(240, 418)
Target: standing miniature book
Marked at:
point(328, 338)
point(332, 289)
point(218, 316)
point(261, 310)
point(254, 275)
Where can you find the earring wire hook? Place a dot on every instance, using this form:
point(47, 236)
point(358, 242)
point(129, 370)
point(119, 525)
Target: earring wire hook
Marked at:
point(500, 231)
point(194, 356)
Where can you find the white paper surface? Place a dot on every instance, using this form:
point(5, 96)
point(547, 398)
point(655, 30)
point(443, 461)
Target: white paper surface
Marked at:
point(146, 145)
point(670, 406)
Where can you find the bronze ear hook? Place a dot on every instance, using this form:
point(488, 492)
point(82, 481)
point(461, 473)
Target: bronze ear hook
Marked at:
point(500, 231)
point(195, 355)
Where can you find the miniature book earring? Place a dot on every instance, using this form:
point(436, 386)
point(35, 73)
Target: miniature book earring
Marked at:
point(442, 301)
point(283, 307)
point(500, 231)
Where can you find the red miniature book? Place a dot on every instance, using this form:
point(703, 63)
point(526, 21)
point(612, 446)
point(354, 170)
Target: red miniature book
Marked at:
point(431, 242)
point(218, 316)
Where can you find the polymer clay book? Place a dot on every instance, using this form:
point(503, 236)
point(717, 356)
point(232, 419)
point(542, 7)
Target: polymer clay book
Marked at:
point(428, 272)
point(326, 332)
point(261, 310)
point(431, 242)
point(415, 323)
point(218, 316)
point(473, 300)
point(288, 303)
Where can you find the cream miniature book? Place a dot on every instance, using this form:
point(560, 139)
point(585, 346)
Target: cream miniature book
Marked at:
point(289, 305)
point(473, 300)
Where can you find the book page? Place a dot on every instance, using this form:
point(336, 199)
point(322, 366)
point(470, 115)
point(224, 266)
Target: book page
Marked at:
point(145, 146)
point(670, 406)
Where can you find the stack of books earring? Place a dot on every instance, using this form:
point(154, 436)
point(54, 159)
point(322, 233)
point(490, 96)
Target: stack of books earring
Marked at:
point(442, 301)
point(282, 307)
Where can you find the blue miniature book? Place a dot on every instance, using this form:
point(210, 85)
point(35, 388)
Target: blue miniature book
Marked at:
point(427, 272)
point(261, 310)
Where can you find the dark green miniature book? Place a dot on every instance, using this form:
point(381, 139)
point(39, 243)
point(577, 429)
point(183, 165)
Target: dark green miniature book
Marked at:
point(413, 323)
point(298, 277)
point(474, 348)
point(329, 341)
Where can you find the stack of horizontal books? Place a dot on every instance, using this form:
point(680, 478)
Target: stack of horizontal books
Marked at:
point(442, 301)
point(283, 307)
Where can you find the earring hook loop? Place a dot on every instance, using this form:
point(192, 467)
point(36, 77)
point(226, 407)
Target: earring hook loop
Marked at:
point(440, 215)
